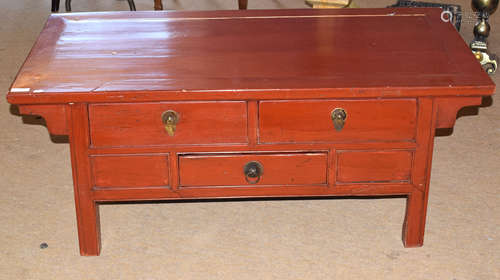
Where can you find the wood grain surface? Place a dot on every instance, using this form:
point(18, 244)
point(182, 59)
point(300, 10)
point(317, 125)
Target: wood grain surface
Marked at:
point(310, 121)
point(158, 55)
point(115, 125)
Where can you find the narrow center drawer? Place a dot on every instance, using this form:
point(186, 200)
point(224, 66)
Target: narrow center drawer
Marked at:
point(229, 169)
point(143, 124)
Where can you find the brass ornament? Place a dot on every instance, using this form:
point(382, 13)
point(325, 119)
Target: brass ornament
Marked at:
point(338, 116)
point(170, 119)
point(482, 28)
point(489, 6)
point(253, 171)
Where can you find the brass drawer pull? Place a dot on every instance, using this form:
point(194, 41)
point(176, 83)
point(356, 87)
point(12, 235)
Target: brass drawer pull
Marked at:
point(253, 170)
point(170, 119)
point(339, 116)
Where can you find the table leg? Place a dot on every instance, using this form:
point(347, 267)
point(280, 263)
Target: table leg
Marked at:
point(242, 4)
point(158, 5)
point(416, 203)
point(131, 5)
point(86, 208)
point(55, 6)
point(68, 5)
point(87, 215)
point(414, 224)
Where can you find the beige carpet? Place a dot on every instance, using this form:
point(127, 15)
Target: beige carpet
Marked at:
point(297, 239)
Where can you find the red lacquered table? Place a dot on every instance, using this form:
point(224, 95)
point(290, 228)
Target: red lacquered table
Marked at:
point(221, 104)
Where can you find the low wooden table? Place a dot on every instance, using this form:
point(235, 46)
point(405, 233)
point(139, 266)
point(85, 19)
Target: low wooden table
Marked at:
point(270, 103)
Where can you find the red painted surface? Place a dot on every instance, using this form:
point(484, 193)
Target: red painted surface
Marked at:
point(227, 170)
point(54, 115)
point(288, 121)
point(448, 107)
point(373, 166)
point(115, 125)
point(176, 55)
point(130, 170)
point(249, 86)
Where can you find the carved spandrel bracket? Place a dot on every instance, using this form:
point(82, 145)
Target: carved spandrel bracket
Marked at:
point(54, 115)
point(448, 107)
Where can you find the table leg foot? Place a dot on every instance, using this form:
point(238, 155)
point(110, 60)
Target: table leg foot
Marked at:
point(88, 228)
point(55, 6)
point(158, 5)
point(242, 4)
point(414, 224)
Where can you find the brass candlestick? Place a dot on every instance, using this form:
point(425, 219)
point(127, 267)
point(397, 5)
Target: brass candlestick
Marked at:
point(479, 45)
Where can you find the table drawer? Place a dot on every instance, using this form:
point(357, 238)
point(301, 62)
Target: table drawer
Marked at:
point(130, 170)
point(277, 169)
point(142, 124)
point(374, 166)
point(311, 121)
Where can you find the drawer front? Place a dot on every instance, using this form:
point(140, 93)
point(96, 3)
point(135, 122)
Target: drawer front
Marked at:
point(130, 170)
point(374, 166)
point(141, 124)
point(228, 169)
point(311, 122)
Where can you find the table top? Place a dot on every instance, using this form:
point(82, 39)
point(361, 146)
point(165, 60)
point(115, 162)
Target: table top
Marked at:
point(110, 56)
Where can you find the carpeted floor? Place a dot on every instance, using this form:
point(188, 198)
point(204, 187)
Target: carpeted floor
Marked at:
point(285, 239)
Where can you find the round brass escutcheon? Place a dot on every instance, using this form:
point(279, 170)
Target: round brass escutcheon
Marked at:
point(338, 115)
point(170, 119)
point(253, 170)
